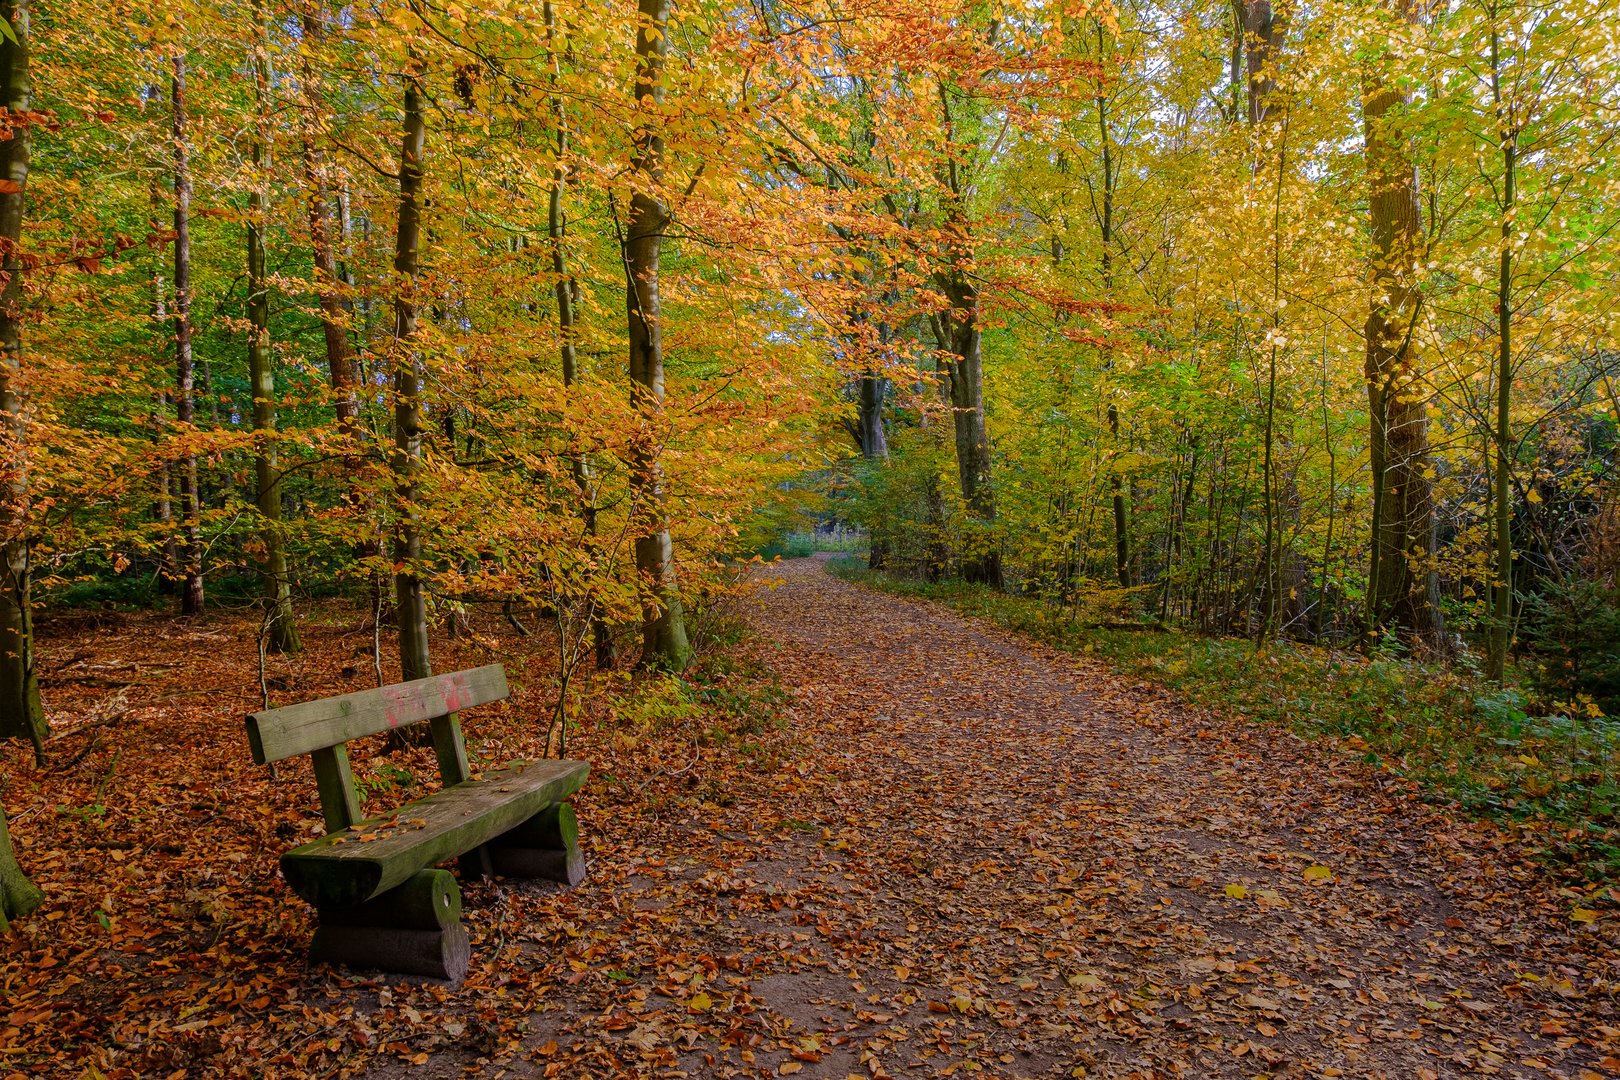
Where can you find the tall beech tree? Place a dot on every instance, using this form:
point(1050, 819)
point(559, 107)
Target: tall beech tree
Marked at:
point(185, 385)
point(664, 641)
point(410, 598)
point(21, 713)
point(959, 332)
point(282, 622)
point(1403, 586)
point(567, 320)
point(313, 115)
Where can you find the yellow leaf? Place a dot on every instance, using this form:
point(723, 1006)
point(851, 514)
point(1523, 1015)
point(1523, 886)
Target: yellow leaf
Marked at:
point(1583, 914)
point(1318, 873)
point(1237, 892)
point(1531, 495)
point(700, 1002)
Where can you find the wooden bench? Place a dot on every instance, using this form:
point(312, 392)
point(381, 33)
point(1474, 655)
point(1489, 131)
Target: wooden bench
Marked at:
point(381, 902)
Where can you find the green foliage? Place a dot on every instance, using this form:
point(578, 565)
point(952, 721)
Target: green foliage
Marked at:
point(793, 546)
point(1574, 630)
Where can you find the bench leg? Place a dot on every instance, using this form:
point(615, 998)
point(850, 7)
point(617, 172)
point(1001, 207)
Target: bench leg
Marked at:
point(414, 929)
point(545, 847)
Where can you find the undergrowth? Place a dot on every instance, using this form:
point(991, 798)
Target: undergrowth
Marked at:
point(1484, 748)
point(799, 545)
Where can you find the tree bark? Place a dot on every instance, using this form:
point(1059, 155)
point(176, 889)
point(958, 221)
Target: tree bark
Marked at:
point(981, 559)
point(874, 443)
point(664, 641)
point(1502, 594)
point(191, 588)
point(21, 714)
point(340, 358)
point(1263, 31)
point(405, 461)
point(18, 895)
point(168, 571)
point(556, 231)
point(1404, 587)
point(869, 422)
point(1105, 227)
point(283, 624)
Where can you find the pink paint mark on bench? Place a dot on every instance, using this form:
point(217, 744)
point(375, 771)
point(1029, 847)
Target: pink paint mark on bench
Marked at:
point(408, 704)
point(457, 695)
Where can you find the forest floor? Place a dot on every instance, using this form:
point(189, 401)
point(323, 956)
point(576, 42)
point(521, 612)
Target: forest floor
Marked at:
point(939, 849)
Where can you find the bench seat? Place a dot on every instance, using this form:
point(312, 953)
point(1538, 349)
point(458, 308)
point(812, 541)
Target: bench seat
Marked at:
point(369, 858)
point(382, 901)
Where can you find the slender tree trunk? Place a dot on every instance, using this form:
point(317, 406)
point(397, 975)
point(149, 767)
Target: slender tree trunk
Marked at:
point(409, 597)
point(567, 333)
point(21, 714)
point(1105, 226)
point(1502, 595)
point(1274, 504)
point(981, 561)
point(1403, 586)
point(340, 358)
point(961, 339)
point(169, 551)
point(18, 895)
point(872, 389)
point(664, 642)
point(191, 589)
point(283, 628)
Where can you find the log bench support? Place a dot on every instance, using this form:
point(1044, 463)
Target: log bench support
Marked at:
point(412, 929)
point(381, 902)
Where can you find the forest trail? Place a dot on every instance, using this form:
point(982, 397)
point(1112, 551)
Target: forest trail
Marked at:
point(1023, 864)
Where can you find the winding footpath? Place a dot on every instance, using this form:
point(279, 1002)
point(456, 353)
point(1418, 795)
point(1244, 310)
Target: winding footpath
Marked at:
point(1027, 867)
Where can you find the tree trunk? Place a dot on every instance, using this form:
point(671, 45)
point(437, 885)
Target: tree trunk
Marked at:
point(981, 558)
point(21, 714)
point(340, 359)
point(1262, 34)
point(168, 572)
point(556, 231)
point(191, 589)
point(664, 642)
point(1403, 585)
point(874, 442)
point(409, 599)
point(283, 625)
point(1502, 595)
point(1105, 229)
point(18, 895)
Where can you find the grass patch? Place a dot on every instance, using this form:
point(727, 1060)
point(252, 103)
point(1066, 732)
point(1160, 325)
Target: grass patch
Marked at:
point(1464, 740)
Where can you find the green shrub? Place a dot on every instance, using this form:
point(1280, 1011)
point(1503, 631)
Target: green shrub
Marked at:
point(1574, 631)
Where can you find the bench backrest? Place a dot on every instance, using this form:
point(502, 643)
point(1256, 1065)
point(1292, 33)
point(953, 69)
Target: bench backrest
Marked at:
point(320, 728)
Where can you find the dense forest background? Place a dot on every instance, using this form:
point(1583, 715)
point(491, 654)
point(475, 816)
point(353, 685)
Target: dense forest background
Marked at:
point(1269, 320)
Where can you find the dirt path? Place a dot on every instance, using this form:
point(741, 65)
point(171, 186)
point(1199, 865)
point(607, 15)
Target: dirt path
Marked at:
point(1030, 868)
point(982, 858)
